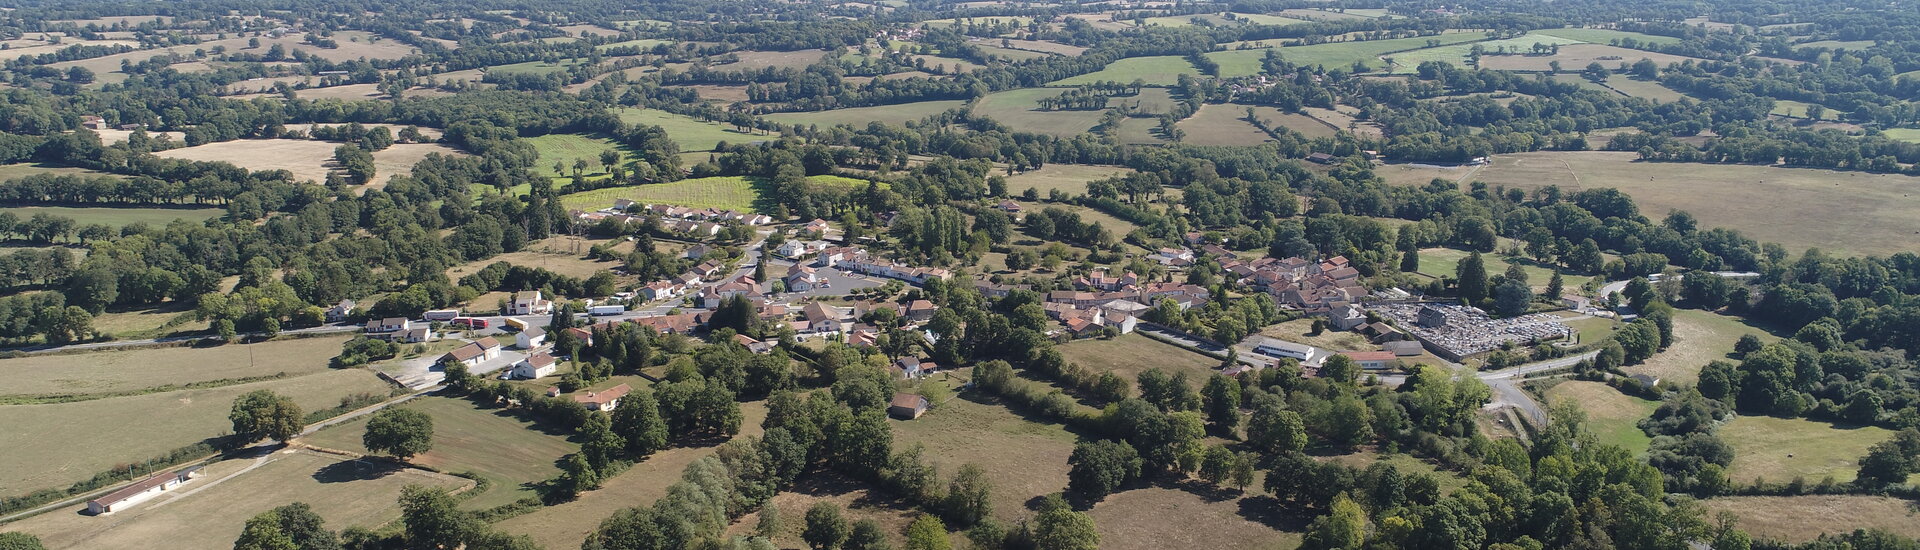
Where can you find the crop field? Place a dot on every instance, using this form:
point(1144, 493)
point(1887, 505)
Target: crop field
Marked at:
point(691, 133)
point(1222, 125)
point(309, 160)
point(1218, 20)
point(209, 512)
point(859, 117)
point(117, 216)
point(1796, 207)
point(1129, 354)
point(566, 525)
point(1572, 57)
point(1023, 459)
point(1071, 178)
point(510, 452)
point(110, 372)
point(68, 442)
point(1780, 449)
point(1802, 518)
point(1162, 70)
point(1011, 53)
point(1017, 109)
point(1191, 516)
point(1611, 415)
point(1703, 337)
point(1334, 55)
point(755, 60)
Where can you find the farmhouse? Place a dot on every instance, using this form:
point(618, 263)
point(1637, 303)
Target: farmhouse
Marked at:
point(604, 400)
point(529, 302)
point(534, 366)
point(140, 491)
point(908, 406)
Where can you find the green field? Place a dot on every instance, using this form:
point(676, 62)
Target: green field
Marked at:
point(511, 453)
point(17, 171)
point(1911, 135)
point(1839, 44)
point(121, 372)
point(1220, 124)
point(1071, 178)
point(1798, 109)
point(1643, 88)
point(1703, 337)
point(859, 117)
point(1780, 449)
point(1440, 262)
point(1015, 108)
point(1333, 55)
point(643, 43)
point(535, 67)
point(1217, 20)
point(718, 192)
point(691, 133)
point(1408, 62)
point(118, 216)
point(1023, 458)
point(1162, 70)
point(1612, 416)
point(1129, 354)
point(566, 148)
point(1607, 36)
point(1016, 20)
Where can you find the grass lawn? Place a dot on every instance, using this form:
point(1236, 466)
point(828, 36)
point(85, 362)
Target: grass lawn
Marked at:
point(1023, 458)
point(209, 512)
point(722, 192)
point(1017, 109)
point(1129, 354)
point(1780, 449)
point(512, 453)
point(1071, 178)
point(1334, 55)
point(1162, 70)
point(860, 116)
point(1595, 329)
point(1192, 516)
point(1297, 331)
point(1611, 415)
point(1703, 337)
point(110, 372)
point(566, 525)
point(1439, 262)
point(117, 216)
point(1803, 518)
point(691, 133)
point(1796, 207)
point(57, 444)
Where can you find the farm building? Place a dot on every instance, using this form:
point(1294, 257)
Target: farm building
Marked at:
point(908, 406)
point(140, 491)
point(1283, 349)
point(473, 354)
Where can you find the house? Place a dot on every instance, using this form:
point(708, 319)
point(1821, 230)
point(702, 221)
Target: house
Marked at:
point(1347, 317)
point(751, 344)
point(140, 491)
point(581, 335)
point(697, 251)
point(801, 278)
point(1081, 327)
point(1120, 321)
point(742, 286)
point(530, 338)
point(475, 353)
point(908, 406)
point(791, 249)
point(1008, 206)
point(623, 205)
point(818, 227)
point(1283, 349)
point(909, 367)
point(921, 310)
point(413, 335)
point(820, 317)
point(390, 324)
point(603, 400)
point(1371, 360)
point(1647, 380)
point(1320, 158)
point(684, 323)
point(538, 365)
point(660, 290)
point(1403, 348)
point(529, 302)
point(1576, 303)
point(340, 311)
point(92, 122)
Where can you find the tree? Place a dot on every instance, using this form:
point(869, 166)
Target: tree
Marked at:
point(968, 496)
point(637, 421)
point(868, 535)
point(927, 533)
point(299, 524)
point(1222, 398)
point(1276, 430)
point(262, 532)
point(1061, 528)
point(20, 541)
point(1471, 273)
point(1343, 528)
point(262, 414)
point(433, 520)
point(1892, 461)
point(577, 475)
point(1555, 287)
point(1100, 467)
point(400, 432)
point(1340, 368)
point(826, 530)
point(1512, 297)
point(771, 522)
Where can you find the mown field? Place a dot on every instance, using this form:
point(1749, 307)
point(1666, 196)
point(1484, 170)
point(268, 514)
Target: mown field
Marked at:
point(1130, 354)
point(1070, 178)
point(1572, 57)
point(1017, 109)
point(1222, 125)
point(1333, 55)
point(511, 453)
point(308, 160)
point(111, 372)
point(859, 117)
point(1846, 213)
point(1611, 415)
point(1162, 70)
point(1023, 458)
point(720, 192)
point(210, 512)
point(1781, 449)
point(1703, 337)
point(1803, 518)
point(114, 216)
point(691, 133)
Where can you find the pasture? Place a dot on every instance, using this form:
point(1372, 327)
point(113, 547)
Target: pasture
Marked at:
point(512, 453)
point(1612, 416)
point(718, 192)
point(210, 512)
point(1070, 178)
point(118, 372)
point(1306, 125)
point(859, 117)
point(1162, 70)
point(1441, 262)
point(52, 445)
point(750, 60)
point(1802, 518)
point(1138, 131)
point(1018, 109)
point(566, 148)
point(1703, 337)
point(1457, 54)
point(1218, 124)
point(1044, 46)
point(1129, 354)
point(1642, 88)
point(1909, 135)
point(21, 170)
point(117, 217)
point(1024, 459)
point(1607, 36)
point(691, 133)
point(1799, 109)
point(1781, 449)
point(1845, 213)
point(720, 93)
point(565, 255)
point(308, 160)
point(1188, 515)
point(1335, 55)
point(1572, 57)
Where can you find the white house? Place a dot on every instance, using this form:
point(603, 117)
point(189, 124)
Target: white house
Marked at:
point(529, 302)
point(660, 290)
point(604, 400)
point(1281, 348)
point(340, 311)
point(390, 324)
point(801, 278)
point(538, 365)
point(530, 338)
point(140, 491)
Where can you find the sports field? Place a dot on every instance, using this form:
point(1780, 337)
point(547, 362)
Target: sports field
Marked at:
point(1845, 213)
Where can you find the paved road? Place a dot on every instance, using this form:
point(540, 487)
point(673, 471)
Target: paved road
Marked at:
point(1506, 386)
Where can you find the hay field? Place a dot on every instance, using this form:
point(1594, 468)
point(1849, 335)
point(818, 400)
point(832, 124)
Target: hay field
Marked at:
point(1780, 449)
point(1845, 213)
point(309, 160)
point(859, 117)
point(209, 512)
point(1138, 131)
point(1611, 415)
point(1130, 354)
point(1575, 57)
point(1803, 518)
point(1016, 109)
point(512, 453)
point(1192, 516)
point(1071, 178)
point(1161, 70)
point(58, 444)
point(691, 133)
point(1703, 337)
point(1023, 458)
point(1642, 88)
point(1218, 124)
point(755, 60)
point(102, 372)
